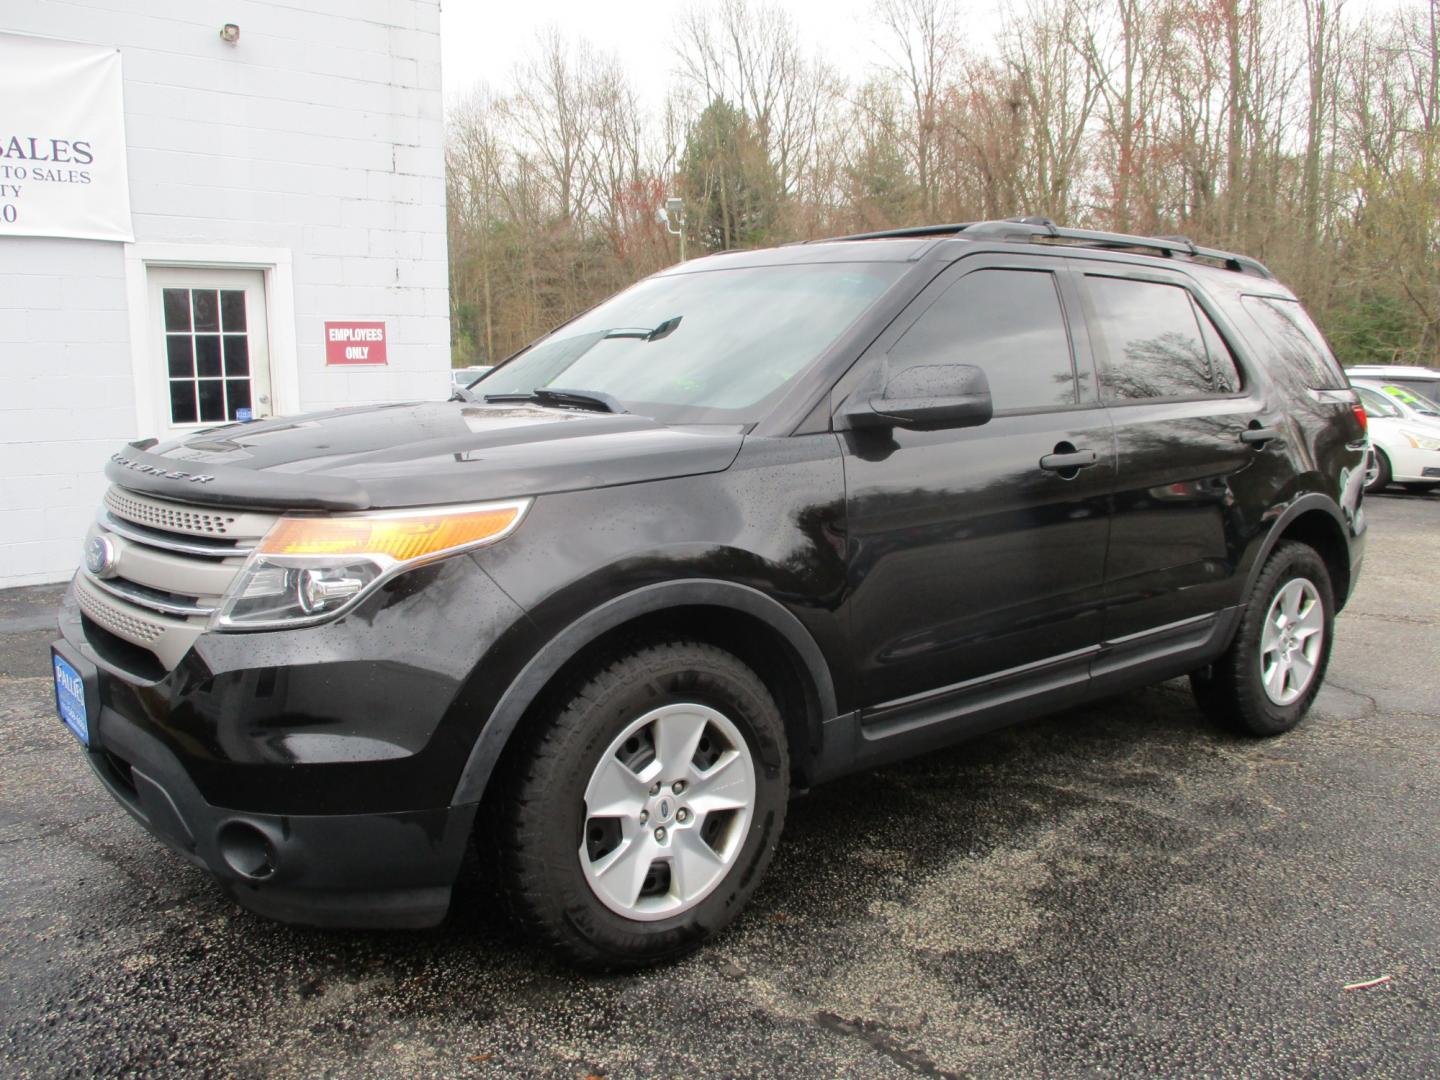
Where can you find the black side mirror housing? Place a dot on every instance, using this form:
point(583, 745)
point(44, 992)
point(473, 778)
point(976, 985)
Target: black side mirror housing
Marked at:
point(926, 397)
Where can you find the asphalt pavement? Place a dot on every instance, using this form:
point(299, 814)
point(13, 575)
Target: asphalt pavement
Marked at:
point(1121, 890)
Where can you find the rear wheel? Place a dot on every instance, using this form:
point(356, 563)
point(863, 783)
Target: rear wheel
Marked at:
point(1267, 679)
point(1378, 477)
point(648, 809)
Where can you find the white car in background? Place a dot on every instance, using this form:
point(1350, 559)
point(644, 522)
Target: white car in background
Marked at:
point(1422, 380)
point(1404, 429)
point(466, 375)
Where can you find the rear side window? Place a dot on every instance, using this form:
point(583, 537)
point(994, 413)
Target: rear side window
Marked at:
point(1297, 341)
point(1008, 323)
point(1223, 370)
point(1156, 343)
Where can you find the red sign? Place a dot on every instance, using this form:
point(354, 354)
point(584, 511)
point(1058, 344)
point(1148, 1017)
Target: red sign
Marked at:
point(354, 343)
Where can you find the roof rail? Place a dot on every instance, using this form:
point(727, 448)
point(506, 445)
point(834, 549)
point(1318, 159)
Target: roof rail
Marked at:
point(1022, 230)
point(1032, 229)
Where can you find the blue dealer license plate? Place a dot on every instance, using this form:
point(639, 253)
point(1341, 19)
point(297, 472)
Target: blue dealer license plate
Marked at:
point(70, 698)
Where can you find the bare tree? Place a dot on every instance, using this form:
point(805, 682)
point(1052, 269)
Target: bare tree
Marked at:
point(923, 54)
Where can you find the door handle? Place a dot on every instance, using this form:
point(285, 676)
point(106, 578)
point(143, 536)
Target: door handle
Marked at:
point(1259, 436)
point(1063, 460)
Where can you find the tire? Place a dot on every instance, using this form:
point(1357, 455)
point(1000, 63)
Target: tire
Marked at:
point(1234, 689)
point(1420, 489)
point(1382, 473)
point(556, 850)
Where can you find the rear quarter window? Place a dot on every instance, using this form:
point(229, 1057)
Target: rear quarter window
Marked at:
point(1297, 342)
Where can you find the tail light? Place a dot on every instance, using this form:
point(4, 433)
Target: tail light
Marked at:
point(1360, 415)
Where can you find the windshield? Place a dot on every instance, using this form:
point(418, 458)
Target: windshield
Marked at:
point(1417, 403)
point(717, 346)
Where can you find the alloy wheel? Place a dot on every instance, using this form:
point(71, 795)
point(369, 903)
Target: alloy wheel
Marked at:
point(666, 811)
point(1291, 641)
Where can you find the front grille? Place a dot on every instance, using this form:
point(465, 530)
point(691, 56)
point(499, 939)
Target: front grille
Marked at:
point(132, 628)
point(171, 566)
point(165, 515)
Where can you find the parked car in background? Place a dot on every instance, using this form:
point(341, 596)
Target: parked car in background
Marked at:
point(1405, 434)
point(462, 377)
point(1421, 380)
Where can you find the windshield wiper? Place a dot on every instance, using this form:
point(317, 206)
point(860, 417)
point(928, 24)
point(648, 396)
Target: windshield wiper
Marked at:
point(643, 333)
point(594, 400)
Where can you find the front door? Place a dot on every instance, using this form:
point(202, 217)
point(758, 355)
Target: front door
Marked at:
point(969, 559)
point(210, 346)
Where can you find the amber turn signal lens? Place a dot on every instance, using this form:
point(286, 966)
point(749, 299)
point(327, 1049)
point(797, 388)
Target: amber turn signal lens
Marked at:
point(402, 538)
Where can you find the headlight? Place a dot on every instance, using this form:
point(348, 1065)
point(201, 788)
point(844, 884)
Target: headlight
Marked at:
point(308, 569)
point(1421, 442)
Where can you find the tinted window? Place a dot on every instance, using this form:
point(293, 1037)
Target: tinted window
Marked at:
point(1300, 345)
point(1151, 342)
point(1007, 322)
point(1224, 375)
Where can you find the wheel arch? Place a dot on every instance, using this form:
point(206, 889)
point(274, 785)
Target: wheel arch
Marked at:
point(1313, 520)
point(756, 628)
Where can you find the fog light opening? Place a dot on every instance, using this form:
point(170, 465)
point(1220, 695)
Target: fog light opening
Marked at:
point(247, 851)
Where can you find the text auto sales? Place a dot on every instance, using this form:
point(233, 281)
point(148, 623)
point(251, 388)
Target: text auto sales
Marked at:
point(40, 154)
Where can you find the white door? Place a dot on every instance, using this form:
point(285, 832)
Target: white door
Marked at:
point(210, 346)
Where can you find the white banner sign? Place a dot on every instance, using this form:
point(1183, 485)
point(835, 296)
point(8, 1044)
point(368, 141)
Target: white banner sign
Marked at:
point(62, 140)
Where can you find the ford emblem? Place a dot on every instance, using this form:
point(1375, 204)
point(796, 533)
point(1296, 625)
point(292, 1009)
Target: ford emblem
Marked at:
point(100, 556)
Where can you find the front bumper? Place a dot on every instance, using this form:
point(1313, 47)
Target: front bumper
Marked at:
point(354, 870)
point(310, 771)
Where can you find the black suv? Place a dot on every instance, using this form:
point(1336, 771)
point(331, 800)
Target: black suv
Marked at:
point(762, 520)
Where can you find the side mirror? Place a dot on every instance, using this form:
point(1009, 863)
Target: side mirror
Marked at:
point(927, 397)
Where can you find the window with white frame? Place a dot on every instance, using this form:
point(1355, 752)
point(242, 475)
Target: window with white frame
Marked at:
point(210, 344)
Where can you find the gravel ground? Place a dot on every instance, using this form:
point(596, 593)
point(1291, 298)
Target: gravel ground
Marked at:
point(1116, 891)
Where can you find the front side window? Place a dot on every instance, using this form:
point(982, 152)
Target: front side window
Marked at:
point(1152, 343)
point(715, 346)
point(1008, 323)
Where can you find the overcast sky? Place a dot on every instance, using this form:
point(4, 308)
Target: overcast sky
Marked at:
point(480, 40)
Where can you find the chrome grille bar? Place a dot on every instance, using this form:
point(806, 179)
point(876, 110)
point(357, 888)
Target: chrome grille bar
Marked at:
point(170, 541)
point(142, 597)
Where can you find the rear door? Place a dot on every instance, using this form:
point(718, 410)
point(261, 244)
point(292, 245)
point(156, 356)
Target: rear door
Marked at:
point(967, 558)
point(1203, 449)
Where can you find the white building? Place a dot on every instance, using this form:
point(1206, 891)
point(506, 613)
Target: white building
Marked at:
point(287, 179)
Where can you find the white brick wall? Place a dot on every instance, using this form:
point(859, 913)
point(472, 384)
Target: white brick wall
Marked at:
point(319, 133)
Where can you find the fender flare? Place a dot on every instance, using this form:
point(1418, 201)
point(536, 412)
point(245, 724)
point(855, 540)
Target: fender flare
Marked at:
point(526, 686)
point(1304, 504)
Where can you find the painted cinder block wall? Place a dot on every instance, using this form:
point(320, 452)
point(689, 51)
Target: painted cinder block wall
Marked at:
point(317, 139)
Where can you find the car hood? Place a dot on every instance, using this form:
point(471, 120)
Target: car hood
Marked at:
point(418, 454)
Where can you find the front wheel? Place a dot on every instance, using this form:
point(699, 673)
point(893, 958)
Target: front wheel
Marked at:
point(1267, 679)
point(648, 808)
